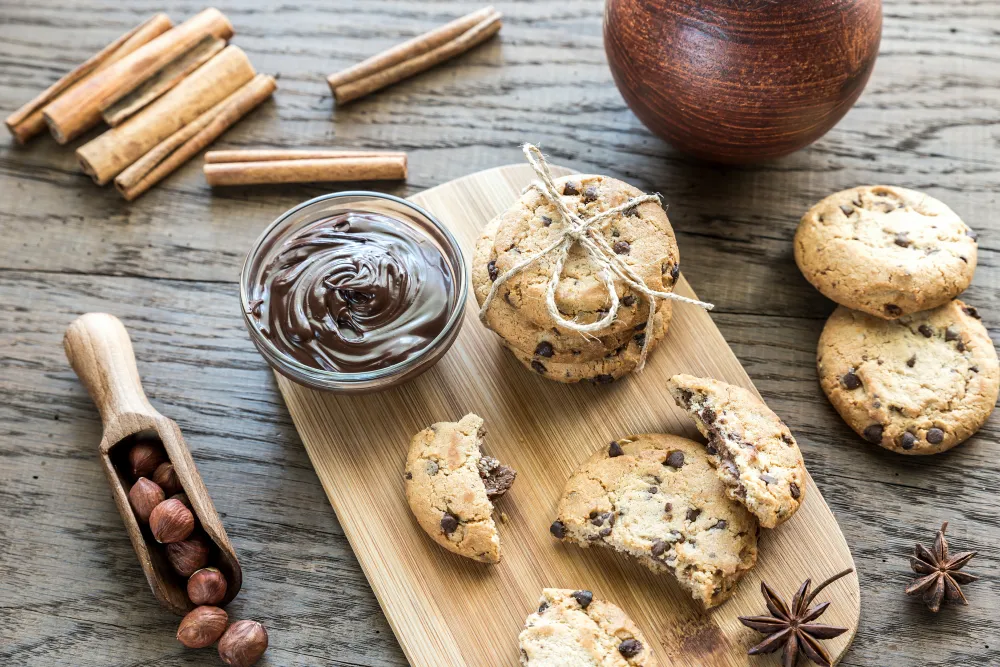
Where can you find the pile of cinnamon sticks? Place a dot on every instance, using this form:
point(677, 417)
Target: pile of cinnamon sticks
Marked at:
point(166, 92)
point(415, 56)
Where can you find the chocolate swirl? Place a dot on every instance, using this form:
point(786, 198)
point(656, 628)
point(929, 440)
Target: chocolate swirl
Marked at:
point(354, 292)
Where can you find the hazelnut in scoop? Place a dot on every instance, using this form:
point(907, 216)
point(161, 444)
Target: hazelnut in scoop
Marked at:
point(171, 522)
point(207, 586)
point(143, 497)
point(188, 556)
point(144, 457)
point(166, 477)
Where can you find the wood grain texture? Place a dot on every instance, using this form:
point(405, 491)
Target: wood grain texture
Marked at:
point(448, 611)
point(71, 592)
point(745, 81)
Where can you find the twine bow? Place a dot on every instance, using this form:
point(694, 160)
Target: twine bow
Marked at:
point(585, 231)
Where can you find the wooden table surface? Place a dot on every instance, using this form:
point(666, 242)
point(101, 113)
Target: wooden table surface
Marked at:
point(71, 592)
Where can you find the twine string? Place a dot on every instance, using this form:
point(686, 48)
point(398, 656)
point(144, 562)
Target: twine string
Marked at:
point(586, 232)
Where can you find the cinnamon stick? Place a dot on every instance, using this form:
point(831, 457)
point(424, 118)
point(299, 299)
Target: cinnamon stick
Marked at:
point(390, 168)
point(193, 137)
point(414, 56)
point(76, 111)
point(109, 154)
point(270, 155)
point(116, 111)
point(28, 121)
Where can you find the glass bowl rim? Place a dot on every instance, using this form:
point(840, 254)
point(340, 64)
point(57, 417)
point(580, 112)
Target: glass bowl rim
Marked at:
point(319, 374)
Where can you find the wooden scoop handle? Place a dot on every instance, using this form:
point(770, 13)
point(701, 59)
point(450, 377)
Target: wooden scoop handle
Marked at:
point(100, 351)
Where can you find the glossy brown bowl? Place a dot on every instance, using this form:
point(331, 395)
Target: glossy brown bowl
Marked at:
point(741, 81)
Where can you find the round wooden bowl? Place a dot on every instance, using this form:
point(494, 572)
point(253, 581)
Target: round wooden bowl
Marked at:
point(741, 80)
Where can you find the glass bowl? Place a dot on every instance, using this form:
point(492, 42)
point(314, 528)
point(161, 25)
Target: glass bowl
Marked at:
point(325, 206)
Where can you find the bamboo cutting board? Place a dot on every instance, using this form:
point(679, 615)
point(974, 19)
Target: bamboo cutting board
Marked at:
point(448, 611)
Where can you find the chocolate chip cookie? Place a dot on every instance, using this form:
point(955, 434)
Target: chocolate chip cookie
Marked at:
point(572, 629)
point(920, 384)
point(552, 344)
point(450, 486)
point(753, 452)
point(885, 251)
point(642, 238)
point(657, 498)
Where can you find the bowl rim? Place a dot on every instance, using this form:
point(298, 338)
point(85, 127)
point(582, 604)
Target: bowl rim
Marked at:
point(320, 375)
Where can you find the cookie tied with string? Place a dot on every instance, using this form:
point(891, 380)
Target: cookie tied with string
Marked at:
point(577, 274)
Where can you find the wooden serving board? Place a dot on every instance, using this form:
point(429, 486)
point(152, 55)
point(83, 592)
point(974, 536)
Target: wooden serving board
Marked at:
point(446, 610)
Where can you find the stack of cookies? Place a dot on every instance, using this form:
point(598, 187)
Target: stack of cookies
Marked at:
point(641, 236)
point(906, 364)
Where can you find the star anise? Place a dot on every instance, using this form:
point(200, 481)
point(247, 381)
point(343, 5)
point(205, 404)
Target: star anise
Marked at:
point(941, 576)
point(791, 628)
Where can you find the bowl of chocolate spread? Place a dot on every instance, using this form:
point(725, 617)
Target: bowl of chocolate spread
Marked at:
point(354, 292)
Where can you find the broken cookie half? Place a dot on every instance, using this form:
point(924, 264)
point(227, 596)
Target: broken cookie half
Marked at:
point(753, 452)
point(450, 487)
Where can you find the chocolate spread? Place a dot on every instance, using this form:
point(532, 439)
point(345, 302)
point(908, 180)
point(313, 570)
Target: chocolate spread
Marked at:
point(354, 292)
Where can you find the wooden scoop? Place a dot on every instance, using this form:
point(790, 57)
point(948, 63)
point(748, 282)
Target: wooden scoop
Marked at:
point(99, 349)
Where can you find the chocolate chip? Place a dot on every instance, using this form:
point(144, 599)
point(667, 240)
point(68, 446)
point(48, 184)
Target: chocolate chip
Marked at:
point(847, 209)
point(630, 648)
point(971, 312)
point(850, 380)
point(769, 479)
point(654, 490)
point(538, 366)
point(589, 194)
point(631, 212)
point(542, 607)
point(794, 488)
point(604, 532)
point(584, 598)
point(720, 525)
point(676, 271)
point(873, 433)
point(431, 467)
point(628, 300)
point(974, 369)
point(640, 339)
point(675, 459)
point(546, 220)
point(950, 334)
point(912, 361)
point(693, 514)
point(972, 234)
point(621, 247)
point(604, 378)
point(902, 240)
point(570, 189)
point(599, 519)
point(668, 508)
point(408, 475)
point(787, 439)
point(449, 522)
point(893, 309)
point(614, 449)
point(659, 547)
point(558, 529)
point(925, 330)
point(544, 349)
point(935, 436)
point(491, 267)
point(908, 440)
point(960, 347)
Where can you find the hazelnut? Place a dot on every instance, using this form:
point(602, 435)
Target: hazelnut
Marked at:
point(243, 643)
point(207, 586)
point(188, 556)
point(202, 627)
point(144, 457)
point(183, 498)
point(143, 497)
point(166, 477)
point(171, 522)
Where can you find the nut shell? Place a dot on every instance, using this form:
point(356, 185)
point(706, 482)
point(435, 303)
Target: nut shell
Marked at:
point(189, 556)
point(144, 496)
point(243, 644)
point(207, 586)
point(202, 627)
point(171, 522)
point(144, 457)
point(166, 477)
